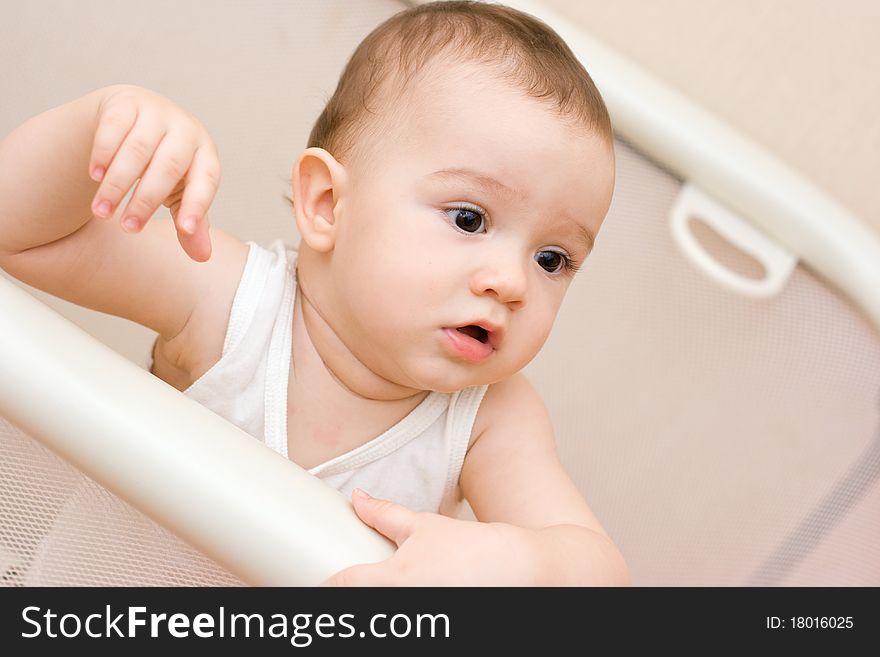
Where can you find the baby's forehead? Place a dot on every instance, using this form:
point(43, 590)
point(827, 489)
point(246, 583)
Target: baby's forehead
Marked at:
point(446, 93)
point(466, 114)
point(444, 75)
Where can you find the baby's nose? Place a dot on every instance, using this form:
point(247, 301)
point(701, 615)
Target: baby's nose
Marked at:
point(505, 279)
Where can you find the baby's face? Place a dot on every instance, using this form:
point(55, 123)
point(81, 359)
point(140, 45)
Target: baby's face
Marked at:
point(470, 214)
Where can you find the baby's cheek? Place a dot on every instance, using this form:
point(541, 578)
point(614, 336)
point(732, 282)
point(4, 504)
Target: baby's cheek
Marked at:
point(537, 333)
point(522, 348)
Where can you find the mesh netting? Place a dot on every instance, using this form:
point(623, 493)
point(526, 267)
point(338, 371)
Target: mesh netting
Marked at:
point(60, 528)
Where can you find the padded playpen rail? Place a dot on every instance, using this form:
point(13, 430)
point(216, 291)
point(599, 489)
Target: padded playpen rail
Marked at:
point(254, 512)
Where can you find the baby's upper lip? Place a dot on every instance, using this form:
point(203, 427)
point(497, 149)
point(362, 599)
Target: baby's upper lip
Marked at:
point(495, 332)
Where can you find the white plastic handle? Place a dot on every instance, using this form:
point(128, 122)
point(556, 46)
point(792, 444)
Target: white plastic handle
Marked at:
point(778, 263)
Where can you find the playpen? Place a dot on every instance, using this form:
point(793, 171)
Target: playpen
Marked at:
point(718, 405)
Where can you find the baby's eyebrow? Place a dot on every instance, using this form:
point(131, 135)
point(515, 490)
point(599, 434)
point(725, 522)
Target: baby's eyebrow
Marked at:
point(585, 237)
point(485, 181)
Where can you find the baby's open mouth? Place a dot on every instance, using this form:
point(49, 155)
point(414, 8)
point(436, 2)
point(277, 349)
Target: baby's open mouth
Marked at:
point(473, 342)
point(475, 332)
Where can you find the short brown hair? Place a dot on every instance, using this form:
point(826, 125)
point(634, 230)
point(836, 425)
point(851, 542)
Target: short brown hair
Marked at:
point(526, 52)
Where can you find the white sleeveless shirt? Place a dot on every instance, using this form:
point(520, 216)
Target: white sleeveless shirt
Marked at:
point(416, 462)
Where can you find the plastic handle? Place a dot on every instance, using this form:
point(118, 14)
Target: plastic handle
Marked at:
point(778, 262)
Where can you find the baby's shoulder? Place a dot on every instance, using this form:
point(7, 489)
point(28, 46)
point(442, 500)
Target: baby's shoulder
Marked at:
point(184, 357)
point(504, 402)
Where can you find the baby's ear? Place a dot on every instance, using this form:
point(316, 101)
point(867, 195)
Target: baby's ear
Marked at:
point(318, 181)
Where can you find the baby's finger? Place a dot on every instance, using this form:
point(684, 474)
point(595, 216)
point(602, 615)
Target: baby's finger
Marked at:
point(198, 245)
point(113, 127)
point(202, 183)
point(127, 165)
point(165, 171)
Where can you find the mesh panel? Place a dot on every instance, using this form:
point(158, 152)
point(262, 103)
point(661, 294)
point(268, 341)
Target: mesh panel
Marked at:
point(721, 440)
point(60, 528)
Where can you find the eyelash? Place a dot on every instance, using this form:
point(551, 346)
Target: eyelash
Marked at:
point(569, 266)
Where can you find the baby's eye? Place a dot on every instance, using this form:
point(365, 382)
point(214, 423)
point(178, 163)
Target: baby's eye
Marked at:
point(467, 219)
point(551, 261)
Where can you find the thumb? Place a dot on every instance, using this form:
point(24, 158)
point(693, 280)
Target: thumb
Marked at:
point(393, 520)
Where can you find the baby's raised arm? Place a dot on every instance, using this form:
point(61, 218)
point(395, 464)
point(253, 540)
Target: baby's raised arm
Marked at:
point(64, 229)
point(115, 136)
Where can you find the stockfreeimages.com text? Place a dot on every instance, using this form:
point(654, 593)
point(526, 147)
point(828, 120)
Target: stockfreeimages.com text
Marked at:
point(300, 629)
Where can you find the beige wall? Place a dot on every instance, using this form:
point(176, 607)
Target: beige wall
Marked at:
point(801, 77)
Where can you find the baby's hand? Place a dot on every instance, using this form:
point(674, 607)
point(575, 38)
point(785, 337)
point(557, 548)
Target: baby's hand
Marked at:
point(143, 135)
point(434, 550)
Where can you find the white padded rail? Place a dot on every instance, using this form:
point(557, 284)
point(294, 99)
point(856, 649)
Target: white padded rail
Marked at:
point(257, 514)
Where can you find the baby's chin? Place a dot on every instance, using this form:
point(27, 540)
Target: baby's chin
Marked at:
point(457, 378)
point(441, 372)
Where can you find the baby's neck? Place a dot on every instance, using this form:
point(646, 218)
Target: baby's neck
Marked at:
point(321, 344)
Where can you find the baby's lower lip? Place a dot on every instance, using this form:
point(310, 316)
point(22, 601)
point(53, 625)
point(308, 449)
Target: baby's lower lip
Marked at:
point(466, 347)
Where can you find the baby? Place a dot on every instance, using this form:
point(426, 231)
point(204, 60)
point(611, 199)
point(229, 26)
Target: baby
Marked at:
point(452, 187)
